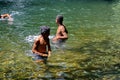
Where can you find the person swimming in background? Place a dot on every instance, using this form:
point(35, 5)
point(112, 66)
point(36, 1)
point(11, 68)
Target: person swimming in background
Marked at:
point(41, 46)
point(61, 33)
point(6, 16)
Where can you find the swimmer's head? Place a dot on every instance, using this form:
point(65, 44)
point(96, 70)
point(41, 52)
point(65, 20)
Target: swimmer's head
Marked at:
point(59, 19)
point(45, 30)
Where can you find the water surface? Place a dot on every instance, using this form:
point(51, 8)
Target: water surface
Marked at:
point(91, 52)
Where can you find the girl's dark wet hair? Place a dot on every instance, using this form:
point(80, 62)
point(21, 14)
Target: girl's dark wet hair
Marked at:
point(59, 18)
point(44, 29)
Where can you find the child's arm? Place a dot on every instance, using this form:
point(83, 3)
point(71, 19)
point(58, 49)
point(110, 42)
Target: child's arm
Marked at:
point(49, 53)
point(49, 49)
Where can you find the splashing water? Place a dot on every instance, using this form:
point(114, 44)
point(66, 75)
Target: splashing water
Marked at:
point(30, 38)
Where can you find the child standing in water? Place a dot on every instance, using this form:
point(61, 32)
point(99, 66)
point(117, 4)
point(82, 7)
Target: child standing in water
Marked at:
point(41, 47)
point(61, 33)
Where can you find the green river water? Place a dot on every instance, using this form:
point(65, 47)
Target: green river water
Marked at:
point(92, 51)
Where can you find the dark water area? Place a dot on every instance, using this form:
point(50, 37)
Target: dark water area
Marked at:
point(91, 52)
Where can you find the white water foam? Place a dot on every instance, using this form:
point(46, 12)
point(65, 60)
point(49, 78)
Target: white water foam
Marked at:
point(10, 19)
point(15, 13)
point(30, 38)
point(51, 36)
point(2, 19)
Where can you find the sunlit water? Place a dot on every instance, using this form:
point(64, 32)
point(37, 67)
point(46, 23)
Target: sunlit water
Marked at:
point(91, 24)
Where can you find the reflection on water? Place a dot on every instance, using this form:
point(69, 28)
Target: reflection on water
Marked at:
point(91, 52)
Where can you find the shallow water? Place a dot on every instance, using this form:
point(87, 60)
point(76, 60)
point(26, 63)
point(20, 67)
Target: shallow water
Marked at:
point(93, 27)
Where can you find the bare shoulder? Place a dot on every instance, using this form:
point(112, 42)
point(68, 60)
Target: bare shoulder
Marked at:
point(38, 38)
point(62, 27)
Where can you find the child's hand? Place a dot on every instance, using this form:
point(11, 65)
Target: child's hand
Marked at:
point(44, 54)
point(49, 54)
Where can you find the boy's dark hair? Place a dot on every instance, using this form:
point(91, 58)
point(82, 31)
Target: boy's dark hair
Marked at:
point(44, 29)
point(60, 18)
